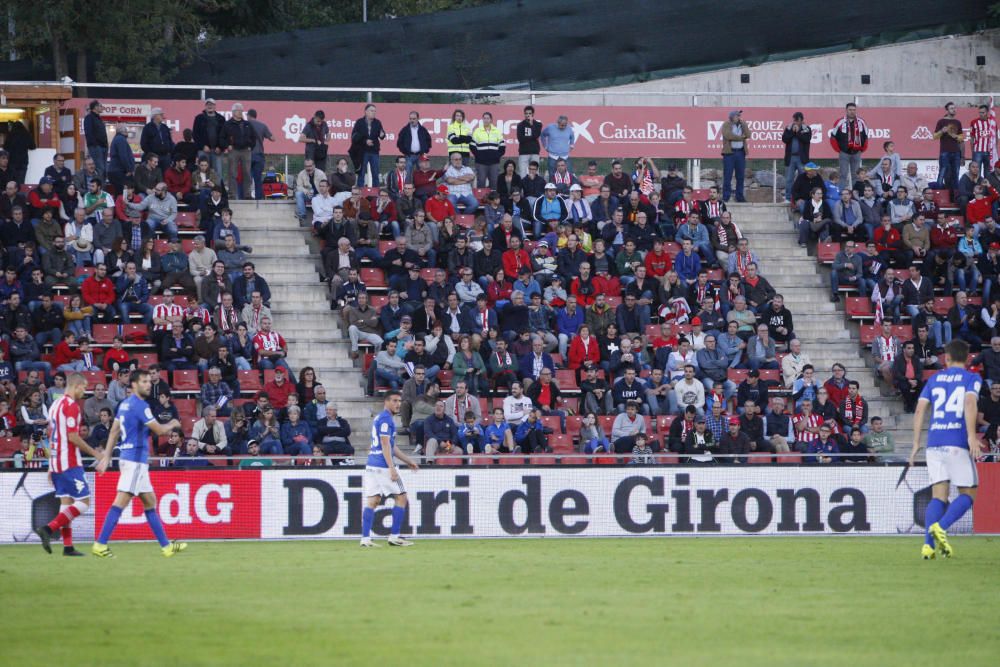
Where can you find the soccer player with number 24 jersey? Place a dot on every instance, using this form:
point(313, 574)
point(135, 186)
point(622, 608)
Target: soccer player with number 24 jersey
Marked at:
point(952, 445)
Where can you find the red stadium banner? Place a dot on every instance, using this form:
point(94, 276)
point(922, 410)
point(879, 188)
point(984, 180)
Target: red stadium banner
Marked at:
point(986, 511)
point(602, 131)
point(209, 503)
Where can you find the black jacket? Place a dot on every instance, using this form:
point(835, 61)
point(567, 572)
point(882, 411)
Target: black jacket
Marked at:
point(804, 135)
point(361, 133)
point(403, 142)
point(238, 134)
point(94, 130)
point(200, 130)
point(527, 137)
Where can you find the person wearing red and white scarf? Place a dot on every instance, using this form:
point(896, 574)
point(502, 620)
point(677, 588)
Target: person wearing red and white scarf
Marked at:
point(885, 349)
point(983, 135)
point(854, 410)
point(849, 138)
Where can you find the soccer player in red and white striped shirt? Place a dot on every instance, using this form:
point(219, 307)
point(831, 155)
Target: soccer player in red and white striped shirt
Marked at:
point(983, 135)
point(65, 465)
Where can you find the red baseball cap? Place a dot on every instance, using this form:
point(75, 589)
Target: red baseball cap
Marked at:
point(443, 189)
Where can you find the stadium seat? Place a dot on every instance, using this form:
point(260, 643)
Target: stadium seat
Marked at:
point(771, 375)
point(94, 378)
point(187, 220)
point(373, 277)
point(511, 460)
point(8, 446)
point(868, 333)
point(760, 458)
point(573, 423)
point(606, 422)
point(385, 246)
point(942, 304)
point(553, 423)
point(859, 307)
point(663, 423)
point(146, 359)
point(700, 194)
point(943, 198)
point(672, 248)
point(104, 334)
point(827, 252)
point(561, 443)
point(444, 379)
point(566, 379)
point(249, 381)
point(448, 461)
point(482, 459)
point(135, 334)
point(186, 381)
point(667, 459)
point(542, 460)
point(790, 457)
point(738, 375)
point(465, 220)
point(574, 461)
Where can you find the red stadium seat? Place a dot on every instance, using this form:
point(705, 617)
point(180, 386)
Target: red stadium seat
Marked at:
point(790, 457)
point(552, 422)
point(942, 304)
point(146, 359)
point(667, 459)
point(94, 378)
point(663, 423)
point(104, 334)
point(868, 333)
point(8, 446)
point(771, 375)
point(385, 246)
point(186, 381)
point(161, 246)
point(133, 333)
point(859, 307)
point(372, 277)
point(465, 220)
point(428, 274)
point(606, 422)
point(444, 379)
point(738, 375)
point(573, 424)
point(827, 252)
point(943, 198)
point(511, 460)
point(187, 220)
point(378, 300)
point(672, 248)
point(249, 381)
point(542, 460)
point(369, 192)
point(574, 461)
point(566, 379)
point(701, 194)
point(561, 443)
point(448, 461)
point(760, 458)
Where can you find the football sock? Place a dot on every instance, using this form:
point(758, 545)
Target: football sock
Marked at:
point(956, 510)
point(397, 519)
point(66, 514)
point(153, 519)
point(110, 521)
point(367, 519)
point(67, 536)
point(935, 510)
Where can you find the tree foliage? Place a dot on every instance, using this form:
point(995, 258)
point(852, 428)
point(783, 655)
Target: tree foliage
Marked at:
point(132, 40)
point(148, 40)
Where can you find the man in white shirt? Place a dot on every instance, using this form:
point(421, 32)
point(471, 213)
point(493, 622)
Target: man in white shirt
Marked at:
point(690, 391)
point(467, 288)
point(516, 405)
point(459, 179)
point(322, 206)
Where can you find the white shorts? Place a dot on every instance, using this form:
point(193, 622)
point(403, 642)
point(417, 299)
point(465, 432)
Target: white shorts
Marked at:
point(378, 483)
point(134, 478)
point(951, 464)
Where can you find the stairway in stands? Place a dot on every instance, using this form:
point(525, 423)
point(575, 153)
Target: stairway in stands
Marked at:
point(826, 336)
point(285, 255)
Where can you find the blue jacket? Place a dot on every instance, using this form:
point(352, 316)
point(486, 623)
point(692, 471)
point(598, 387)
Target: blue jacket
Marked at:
point(289, 431)
point(699, 236)
point(242, 294)
point(526, 427)
point(472, 321)
point(526, 364)
point(122, 160)
point(687, 267)
point(156, 140)
point(440, 429)
point(94, 130)
point(141, 287)
point(567, 324)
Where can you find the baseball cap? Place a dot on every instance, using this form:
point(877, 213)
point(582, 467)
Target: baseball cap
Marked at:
point(423, 157)
point(575, 188)
point(754, 374)
point(699, 420)
point(45, 181)
point(550, 186)
point(406, 318)
point(811, 166)
point(253, 442)
point(210, 100)
point(734, 420)
point(443, 189)
point(155, 111)
point(696, 321)
point(995, 246)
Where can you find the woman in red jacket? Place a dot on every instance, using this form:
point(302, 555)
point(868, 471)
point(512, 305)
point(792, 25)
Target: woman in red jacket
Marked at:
point(584, 351)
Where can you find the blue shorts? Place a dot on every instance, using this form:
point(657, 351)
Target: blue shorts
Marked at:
point(71, 484)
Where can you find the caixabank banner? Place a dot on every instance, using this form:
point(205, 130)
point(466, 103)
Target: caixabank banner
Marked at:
point(615, 131)
point(594, 501)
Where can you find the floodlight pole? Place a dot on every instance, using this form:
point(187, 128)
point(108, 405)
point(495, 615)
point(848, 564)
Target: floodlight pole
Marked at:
point(364, 11)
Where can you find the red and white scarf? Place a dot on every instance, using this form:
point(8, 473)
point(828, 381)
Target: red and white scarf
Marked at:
point(853, 130)
point(854, 411)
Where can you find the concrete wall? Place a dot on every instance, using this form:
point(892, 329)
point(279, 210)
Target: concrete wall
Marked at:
point(938, 69)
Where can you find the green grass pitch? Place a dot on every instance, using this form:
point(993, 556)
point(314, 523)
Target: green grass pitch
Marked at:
point(673, 601)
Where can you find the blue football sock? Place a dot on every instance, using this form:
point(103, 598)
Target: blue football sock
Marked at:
point(367, 519)
point(935, 510)
point(153, 519)
point(397, 519)
point(956, 510)
point(110, 521)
